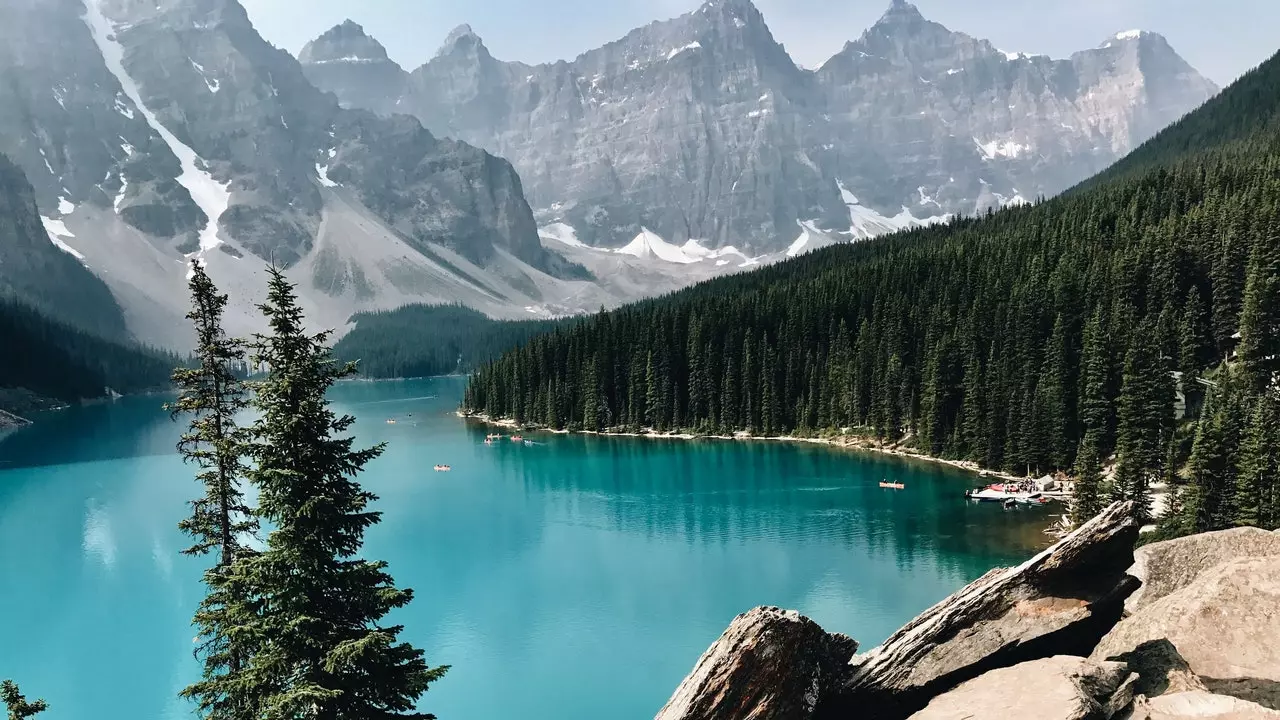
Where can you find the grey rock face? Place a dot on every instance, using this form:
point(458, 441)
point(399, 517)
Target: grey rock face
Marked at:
point(770, 664)
point(1055, 688)
point(38, 273)
point(66, 122)
point(1200, 705)
point(1225, 623)
point(703, 127)
point(1058, 603)
point(354, 67)
point(261, 134)
point(1166, 567)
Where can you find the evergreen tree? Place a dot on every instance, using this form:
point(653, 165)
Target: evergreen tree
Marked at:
point(1145, 412)
point(1192, 351)
point(1097, 410)
point(1259, 348)
point(1258, 484)
point(1087, 500)
point(211, 394)
point(19, 708)
point(318, 607)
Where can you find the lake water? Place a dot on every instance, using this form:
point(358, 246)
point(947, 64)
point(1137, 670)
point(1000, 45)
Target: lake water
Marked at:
point(576, 579)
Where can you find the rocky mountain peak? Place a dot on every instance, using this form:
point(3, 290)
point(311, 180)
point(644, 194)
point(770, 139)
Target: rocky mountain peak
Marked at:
point(901, 14)
point(345, 42)
point(462, 40)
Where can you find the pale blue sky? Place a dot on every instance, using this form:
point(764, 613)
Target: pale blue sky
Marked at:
point(1221, 38)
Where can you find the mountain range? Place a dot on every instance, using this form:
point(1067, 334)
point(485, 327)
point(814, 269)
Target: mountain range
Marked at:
point(703, 127)
point(147, 134)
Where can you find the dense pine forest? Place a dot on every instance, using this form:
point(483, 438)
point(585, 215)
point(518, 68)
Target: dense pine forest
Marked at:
point(47, 360)
point(1070, 335)
point(424, 340)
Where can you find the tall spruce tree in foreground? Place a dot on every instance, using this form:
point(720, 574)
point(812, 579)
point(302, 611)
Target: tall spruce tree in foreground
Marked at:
point(211, 394)
point(19, 708)
point(319, 607)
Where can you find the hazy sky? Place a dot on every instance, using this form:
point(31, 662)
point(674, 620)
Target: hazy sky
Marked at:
point(1221, 38)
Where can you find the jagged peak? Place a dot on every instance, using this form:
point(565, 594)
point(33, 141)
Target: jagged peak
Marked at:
point(900, 11)
point(346, 41)
point(460, 38)
point(1144, 38)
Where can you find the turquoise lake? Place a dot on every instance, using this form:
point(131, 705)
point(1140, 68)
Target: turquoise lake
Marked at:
point(577, 579)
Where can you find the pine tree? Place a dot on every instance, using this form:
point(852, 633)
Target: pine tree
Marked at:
point(1259, 348)
point(1087, 500)
point(211, 394)
point(1144, 418)
point(1258, 483)
point(1192, 350)
point(1096, 408)
point(19, 708)
point(327, 656)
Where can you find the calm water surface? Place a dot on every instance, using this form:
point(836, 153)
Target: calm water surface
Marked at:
point(577, 579)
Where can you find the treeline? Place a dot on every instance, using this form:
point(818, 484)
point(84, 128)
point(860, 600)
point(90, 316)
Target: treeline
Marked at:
point(56, 361)
point(425, 340)
point(1024, 341)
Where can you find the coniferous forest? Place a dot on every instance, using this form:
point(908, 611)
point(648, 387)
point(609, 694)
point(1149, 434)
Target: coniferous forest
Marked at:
point(424, 340)
point(1072, 335)
point(49, 360)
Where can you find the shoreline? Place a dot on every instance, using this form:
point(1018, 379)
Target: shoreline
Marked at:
point(843, 443)
point(1159, 494)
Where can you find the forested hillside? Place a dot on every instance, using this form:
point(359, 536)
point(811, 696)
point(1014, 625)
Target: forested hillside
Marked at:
point(423, 340)
point(53, 361)
point(1026, 341)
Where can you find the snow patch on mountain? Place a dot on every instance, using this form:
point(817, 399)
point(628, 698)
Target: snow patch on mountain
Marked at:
point(1000, 148)
point(210, 196)
point(726, 255)
point(322, 172)
point(562, 233)
point(1129, 35)
point(211, 83)
point(695, 45)
point(649, 244)
point(57, 231)
point(65, 206)
point(866, 223)
point(124, 188)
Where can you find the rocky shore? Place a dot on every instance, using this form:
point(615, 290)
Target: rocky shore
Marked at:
point(1089, 629)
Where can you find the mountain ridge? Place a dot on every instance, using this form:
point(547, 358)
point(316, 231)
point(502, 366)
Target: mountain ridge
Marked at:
point(909, 117)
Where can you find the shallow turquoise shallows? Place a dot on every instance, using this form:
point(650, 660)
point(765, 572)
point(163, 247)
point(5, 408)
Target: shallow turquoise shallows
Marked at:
point(575, 579)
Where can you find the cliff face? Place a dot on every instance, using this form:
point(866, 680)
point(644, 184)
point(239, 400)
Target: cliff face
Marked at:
point(1048, 639)
point(702, 127)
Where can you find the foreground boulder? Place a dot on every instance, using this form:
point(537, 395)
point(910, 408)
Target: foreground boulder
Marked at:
point(1166, 567)
point(1055, 688)
point(1199, 705)
point(1161, 669)
point(1060, 602)
point(1225, 623)
point(770, 664)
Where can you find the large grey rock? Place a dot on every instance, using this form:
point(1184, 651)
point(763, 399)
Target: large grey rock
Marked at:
point(1056, 688)
point(1166, 567)
point(1058, 603)
point(1226, 623)
point(703, 126)
point(770, 664)
point(1200, 705)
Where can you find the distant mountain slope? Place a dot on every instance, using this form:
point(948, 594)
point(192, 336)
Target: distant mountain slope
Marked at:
point(702, 127)
point(36, 271)
point(153, 132)
point(1008, 341)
